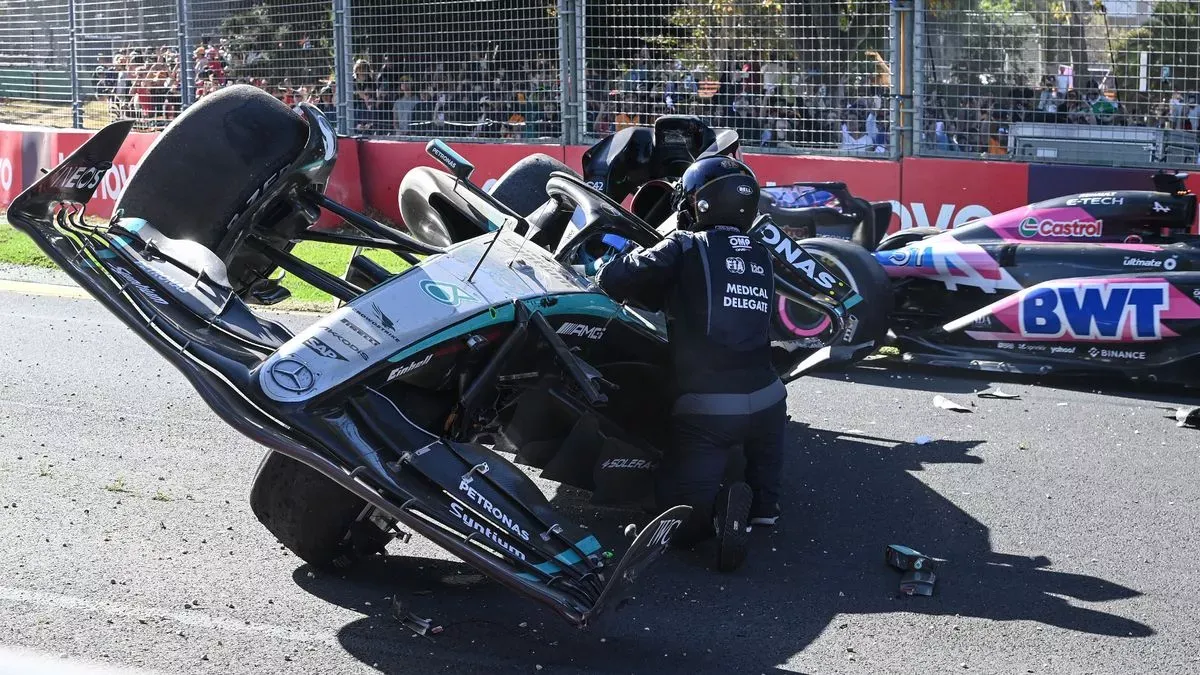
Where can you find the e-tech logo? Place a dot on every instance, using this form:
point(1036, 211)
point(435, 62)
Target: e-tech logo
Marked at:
point(1108, 311)
point(1032, 227)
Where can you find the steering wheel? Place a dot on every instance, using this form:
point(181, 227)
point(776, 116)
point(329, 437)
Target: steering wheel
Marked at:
point(608, 229)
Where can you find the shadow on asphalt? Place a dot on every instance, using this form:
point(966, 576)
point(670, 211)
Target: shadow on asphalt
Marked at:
point(896, 373)
point(851, 496)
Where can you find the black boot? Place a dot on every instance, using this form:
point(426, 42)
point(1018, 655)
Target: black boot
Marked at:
point(731, 518)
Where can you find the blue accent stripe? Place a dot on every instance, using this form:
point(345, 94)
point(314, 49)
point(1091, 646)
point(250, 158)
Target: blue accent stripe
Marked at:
point(852, 300)
point(105, 253)
point(588, 545)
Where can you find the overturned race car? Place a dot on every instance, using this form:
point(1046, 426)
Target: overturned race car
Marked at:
point(376, 414)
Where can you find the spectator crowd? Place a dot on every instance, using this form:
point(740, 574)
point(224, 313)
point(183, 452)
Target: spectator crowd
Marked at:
point(772, 102)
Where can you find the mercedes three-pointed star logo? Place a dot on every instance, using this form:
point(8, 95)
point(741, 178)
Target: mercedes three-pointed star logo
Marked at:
point(292, 375)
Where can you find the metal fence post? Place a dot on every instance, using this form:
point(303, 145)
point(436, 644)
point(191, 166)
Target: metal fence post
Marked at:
point(342, 49)
point(917, 65)
point(73, 44)
point(187, 85)
point(568, 94)
point(581, 69)
point(903, 130)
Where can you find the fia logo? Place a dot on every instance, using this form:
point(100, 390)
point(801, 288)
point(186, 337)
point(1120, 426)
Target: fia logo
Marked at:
point(1159, 208)
point(756, 268)
point(739, 242)
point(735, 265)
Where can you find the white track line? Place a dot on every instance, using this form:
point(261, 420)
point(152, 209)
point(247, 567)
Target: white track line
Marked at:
point(195, 618)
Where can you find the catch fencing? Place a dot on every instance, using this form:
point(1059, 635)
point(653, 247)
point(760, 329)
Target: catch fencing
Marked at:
point(1113, 82)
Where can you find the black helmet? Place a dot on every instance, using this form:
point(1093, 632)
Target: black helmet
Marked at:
point(716, 190)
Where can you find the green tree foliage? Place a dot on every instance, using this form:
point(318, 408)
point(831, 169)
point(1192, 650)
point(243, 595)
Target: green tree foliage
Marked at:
point(1172, 39)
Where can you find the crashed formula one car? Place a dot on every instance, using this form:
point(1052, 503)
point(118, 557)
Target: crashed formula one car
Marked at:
point(375, 415)
point(1103, 282)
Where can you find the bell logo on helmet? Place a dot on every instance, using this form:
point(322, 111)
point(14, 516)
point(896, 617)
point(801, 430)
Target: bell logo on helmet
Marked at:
point(746, 190)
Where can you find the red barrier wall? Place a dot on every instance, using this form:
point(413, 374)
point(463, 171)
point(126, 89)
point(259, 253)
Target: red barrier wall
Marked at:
point(924, 192)
point(384, 164)
point(25, 151)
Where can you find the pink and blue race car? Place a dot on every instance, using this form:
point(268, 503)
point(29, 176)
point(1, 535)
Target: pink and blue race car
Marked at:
point(1101, 282)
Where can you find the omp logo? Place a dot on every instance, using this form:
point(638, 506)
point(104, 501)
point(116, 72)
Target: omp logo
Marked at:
point(739, 242)
point(735, 265)
point(772, 236)
point(662, 534)
point(1032, 227)
point(581, 330)
point(447, 294)
point(404, 370)
point(626, 463)
point(1095, 311)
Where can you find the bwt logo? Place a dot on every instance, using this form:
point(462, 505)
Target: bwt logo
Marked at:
point(1098, 311)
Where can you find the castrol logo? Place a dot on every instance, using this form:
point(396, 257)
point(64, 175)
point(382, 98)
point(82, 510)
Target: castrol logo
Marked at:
point(1032, 227)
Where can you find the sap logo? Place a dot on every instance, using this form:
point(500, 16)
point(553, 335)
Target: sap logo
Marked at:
point(1116, 354)
point(404, 370)
point(625, 463)
point(1098, 311)
point(796, 257)
point(1032, 227)
point(949, 215)
point(6, 173)
point(740, 242)
point(323, 349)
point(735, 265)
point(581, 330)
point(757, 269)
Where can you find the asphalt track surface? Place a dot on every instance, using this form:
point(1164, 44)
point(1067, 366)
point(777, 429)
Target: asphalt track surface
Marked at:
point(1066, 522)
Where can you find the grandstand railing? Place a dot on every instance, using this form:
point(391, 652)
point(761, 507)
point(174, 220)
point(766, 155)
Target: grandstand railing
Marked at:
point(1080, 81)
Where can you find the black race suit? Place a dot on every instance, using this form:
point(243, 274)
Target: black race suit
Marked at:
point(715, 287)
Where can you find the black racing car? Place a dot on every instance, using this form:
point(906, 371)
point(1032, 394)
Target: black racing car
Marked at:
point(376, 413)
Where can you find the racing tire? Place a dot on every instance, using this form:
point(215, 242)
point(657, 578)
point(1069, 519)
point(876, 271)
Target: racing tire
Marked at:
point(867, 321)
point(903, 238)
point(314, 517)
point(207, 164)
point(523, 187)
